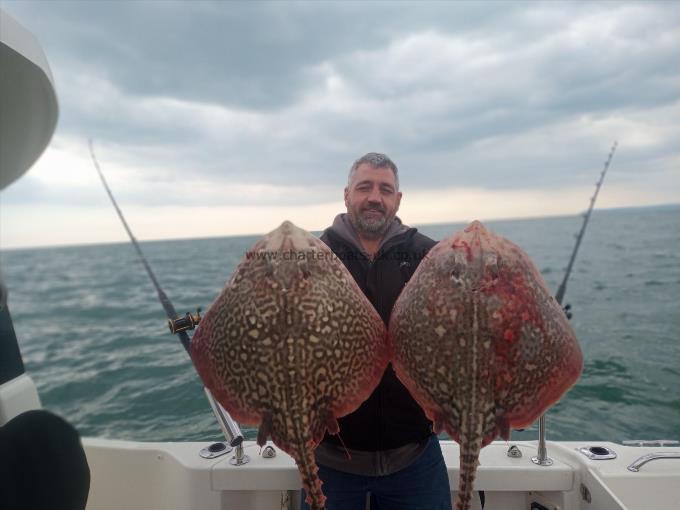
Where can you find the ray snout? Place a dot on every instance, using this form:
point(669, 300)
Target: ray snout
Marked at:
point(287, 237)
point(475, 226)
point(473, 241)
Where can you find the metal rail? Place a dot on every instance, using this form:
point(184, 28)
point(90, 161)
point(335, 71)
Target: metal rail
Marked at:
point(635, 466)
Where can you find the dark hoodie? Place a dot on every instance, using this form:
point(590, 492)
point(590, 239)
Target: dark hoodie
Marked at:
point(390, 421)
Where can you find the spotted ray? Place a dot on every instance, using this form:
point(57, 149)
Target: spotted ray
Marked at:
point(481, 343)
point(291, 344)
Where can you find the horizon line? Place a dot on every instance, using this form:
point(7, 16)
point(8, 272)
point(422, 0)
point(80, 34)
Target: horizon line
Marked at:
point(257, 234)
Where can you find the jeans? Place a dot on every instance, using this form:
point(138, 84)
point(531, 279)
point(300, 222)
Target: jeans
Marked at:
point(423, 485)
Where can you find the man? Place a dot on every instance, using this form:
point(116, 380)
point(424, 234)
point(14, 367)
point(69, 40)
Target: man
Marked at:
point(393, 454)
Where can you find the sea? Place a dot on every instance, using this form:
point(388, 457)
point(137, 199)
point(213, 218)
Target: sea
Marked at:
point(94, 337)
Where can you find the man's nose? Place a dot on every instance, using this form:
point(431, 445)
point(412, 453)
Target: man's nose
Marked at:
point(374, 196)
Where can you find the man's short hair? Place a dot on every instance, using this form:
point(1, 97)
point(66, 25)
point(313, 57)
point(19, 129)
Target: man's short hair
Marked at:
point(376, 160)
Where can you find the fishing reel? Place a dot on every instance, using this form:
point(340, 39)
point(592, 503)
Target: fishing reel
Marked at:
point(189, 321)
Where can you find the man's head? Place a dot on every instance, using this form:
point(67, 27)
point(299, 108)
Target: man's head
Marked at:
point(372, 195)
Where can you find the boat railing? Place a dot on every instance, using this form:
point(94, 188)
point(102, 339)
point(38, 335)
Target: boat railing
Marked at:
point(636, 465)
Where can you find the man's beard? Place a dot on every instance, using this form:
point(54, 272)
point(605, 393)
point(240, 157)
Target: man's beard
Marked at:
point(371, 227)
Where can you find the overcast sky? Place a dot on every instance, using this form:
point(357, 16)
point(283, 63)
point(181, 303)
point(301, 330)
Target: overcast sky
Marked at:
point(219, 118)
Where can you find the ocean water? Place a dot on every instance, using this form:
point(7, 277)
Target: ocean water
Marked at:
point(94, 336)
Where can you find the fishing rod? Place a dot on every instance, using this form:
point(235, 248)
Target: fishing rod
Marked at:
point(586, 217)
point(541, 457)
point(191, 321)
point(180, 326)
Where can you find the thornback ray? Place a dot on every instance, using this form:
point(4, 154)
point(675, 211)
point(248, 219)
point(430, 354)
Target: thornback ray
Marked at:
point(481, 343)
point(291, 344)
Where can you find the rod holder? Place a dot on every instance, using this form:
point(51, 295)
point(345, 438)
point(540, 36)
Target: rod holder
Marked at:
point(542, 458)
point(239, 457)
point(229, 427)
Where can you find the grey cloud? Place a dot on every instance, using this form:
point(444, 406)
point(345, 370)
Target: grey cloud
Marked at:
point(250, 54)
point(456, 124)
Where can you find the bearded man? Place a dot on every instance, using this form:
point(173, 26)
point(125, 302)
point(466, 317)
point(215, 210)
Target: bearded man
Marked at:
point(394, 457)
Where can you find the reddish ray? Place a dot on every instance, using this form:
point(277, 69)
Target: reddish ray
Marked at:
point(481, 343)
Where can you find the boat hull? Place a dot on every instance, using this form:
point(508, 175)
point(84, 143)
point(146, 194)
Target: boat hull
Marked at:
point(173, 476)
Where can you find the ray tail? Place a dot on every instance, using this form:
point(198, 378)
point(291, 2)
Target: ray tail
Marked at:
point(470, 446)
point(309, 473)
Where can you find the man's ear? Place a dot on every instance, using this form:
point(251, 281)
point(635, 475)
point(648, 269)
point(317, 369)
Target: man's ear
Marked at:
point(398, 201)
point(346, 197)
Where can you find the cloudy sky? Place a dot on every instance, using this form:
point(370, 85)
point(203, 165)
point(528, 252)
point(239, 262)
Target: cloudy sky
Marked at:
point(219, 118)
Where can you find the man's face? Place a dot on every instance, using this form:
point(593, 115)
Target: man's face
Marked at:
point(372, 200)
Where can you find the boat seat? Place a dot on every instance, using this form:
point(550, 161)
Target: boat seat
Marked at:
point(42, 464)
